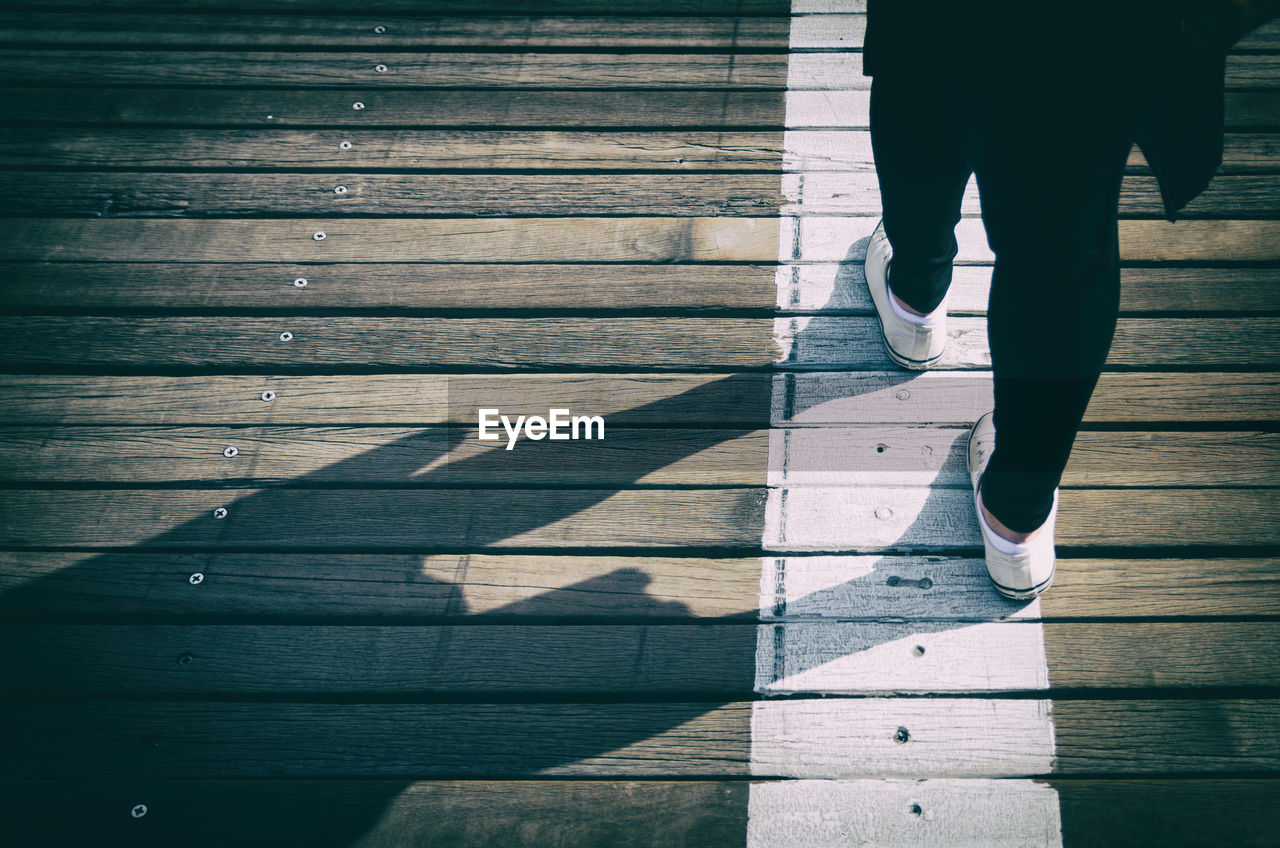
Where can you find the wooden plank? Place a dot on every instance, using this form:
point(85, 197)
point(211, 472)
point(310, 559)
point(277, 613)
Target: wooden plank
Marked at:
point(112, 194)
point(490, 109)
point(454, 7)
point(283, 343)
point(130, 30)
point(732, 400)
point(774, 151)
point(742, 70)
point(815, 519)
point(819, 239)
point(625, 660)
point(635, 814)
point(868, 455)
point(820, 288)
point(143, 586)
point(855, 738)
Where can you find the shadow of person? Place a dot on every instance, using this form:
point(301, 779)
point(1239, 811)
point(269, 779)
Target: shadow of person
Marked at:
point(111, 711)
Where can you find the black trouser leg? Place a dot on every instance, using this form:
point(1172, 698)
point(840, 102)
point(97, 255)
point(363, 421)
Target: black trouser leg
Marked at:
point(1050, 179)
point(923, 168)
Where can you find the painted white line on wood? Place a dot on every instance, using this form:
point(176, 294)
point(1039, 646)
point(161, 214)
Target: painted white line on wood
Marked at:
point(880, 397)
point(976, 813)
point(901, 737)
point(916, 657)
point(832, 518)
point(868, 456)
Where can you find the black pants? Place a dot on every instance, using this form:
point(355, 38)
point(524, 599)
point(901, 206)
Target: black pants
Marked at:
point(1049, 162)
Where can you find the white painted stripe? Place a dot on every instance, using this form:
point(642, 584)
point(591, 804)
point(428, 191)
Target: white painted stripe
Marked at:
point(904, 588)
point(859, 737)
point(848, 518)
point(839, 488)
point(914, 657)
point(975, 813)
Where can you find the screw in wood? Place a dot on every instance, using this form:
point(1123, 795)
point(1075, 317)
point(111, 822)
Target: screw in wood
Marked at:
point(902, 394)
point(916, 810)
point(138, 811)
point(901, 736)
point(300, 283)
point(319, 235)
point(918, 650)
point(340, 189)
point(286, 336)
point(344, 145)
point(358, 105)
point(220, 512)
point(379, 29)
point(196, 579)
point(884, 513)
point(230, 451)
point(185, 659)
point(382, 69)
point(269, 395)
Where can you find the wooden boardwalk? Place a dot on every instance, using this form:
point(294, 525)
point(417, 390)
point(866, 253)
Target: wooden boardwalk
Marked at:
point(262, 584)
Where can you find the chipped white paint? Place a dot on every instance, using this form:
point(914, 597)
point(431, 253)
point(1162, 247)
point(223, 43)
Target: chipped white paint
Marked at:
point(976, 813)
point(841, 624)
point(859, 737)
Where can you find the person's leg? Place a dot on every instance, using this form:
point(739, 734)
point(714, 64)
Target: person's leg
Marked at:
point(1049, 177)
point(922, 168)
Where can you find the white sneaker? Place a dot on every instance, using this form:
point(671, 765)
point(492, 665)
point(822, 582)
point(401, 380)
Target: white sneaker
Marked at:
point(1028, 570)
point(911, 345)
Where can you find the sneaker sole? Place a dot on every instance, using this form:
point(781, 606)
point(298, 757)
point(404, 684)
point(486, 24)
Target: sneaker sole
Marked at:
point(911, 364)
point(1025, 594)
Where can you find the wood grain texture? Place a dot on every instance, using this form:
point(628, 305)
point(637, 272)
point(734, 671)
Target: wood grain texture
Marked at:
point(772, 151)
point(494, 109)
point(154, 739)
point(834, 518)
point(620, 660)
point(587, 813)
point(33, 342)
point(528, 588)
point(867, 455)
point(455, 7)
point(820, 288)
point(815, 71)
point(570, 240)
point(111, 194)
point(131, 30)
point(735, 400)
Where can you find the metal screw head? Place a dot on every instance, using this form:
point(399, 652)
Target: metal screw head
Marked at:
point(344, 145)
point(340, 189)
point(286, 336)
point(382, 69)
point(902, 394)
point(358, 105)
point(916, 810)
point(138, 811)
point(230, 451)
point(884, 513)
point(220, 512)
point(918, 650)
point(319, 235)
point(901, 736)
point(300, 283)
point(185, 659)
point(269, 395)
point(379, 29)
point(196, 579)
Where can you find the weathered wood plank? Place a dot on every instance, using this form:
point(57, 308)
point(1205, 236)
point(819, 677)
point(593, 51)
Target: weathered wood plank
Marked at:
point(773, 151)
point(131, 30)
point(814, 519)
point(821, 288)
point(455, 7)
point(111, 194)
point(819, 239)
point(517, 588)
point(282, 343)
point(732, 400)
point(800, 71)
point(893, 456)
point(640, 814)
point(491, 109)
point(851, 738)
point(626, 660)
